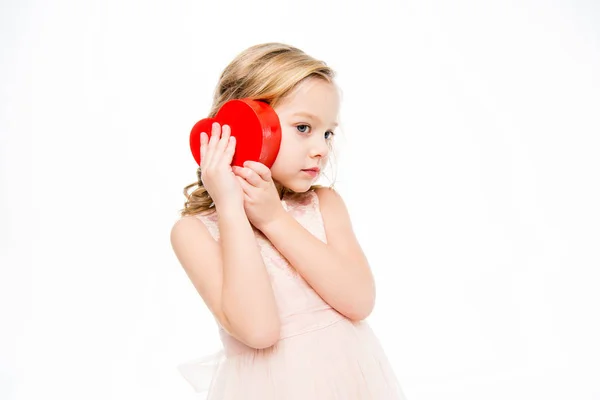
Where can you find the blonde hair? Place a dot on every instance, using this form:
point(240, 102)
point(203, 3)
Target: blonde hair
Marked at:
point(266, 72)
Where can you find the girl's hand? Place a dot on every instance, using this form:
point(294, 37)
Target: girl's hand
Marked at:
point(261, 199)
point(216, 155)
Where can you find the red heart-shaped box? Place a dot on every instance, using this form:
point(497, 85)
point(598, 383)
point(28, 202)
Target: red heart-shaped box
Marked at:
point(255, 126)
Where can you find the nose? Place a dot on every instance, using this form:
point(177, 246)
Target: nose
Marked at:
point(319, 147)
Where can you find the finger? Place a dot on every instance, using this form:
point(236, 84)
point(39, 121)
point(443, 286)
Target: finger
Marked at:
point(203, 144)
point(229, 151)
point(249, 175)
point(259, 168)
point(223, 142)
point(246, 187)
point(212, 142)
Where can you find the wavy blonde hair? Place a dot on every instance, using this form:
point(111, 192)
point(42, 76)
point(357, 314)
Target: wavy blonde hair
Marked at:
point(266, 72)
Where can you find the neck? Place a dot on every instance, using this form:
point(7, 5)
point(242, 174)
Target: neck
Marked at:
point(281, 190)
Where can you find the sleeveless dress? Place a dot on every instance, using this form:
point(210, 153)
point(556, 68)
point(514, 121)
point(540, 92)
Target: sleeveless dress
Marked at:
point(321, 355)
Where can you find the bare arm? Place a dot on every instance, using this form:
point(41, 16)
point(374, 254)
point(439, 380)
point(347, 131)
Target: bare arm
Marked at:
point(230, 276)
point(247, 298)
point(337, 270)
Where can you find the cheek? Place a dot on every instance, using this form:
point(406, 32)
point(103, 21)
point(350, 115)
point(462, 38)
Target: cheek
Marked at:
point(280, 165)
point(284, 164)
point(287, 138)
point(284, 150)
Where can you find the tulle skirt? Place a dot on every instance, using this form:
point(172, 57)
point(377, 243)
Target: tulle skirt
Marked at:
point(341, 361)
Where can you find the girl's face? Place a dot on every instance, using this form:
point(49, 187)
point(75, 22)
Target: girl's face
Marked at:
point(308, 117)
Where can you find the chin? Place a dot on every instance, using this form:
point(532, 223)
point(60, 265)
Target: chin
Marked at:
point(298, 186)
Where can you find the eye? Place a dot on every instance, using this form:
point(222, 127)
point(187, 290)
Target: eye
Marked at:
point(303, 128)
point(331, 134)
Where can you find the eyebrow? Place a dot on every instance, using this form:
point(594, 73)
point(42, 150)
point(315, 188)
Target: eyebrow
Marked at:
point(309, 115)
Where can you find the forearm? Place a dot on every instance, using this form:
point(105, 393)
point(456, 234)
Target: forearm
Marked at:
point(343, 283)
point(248, 301)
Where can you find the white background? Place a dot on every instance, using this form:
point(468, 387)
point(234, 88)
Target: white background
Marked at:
point(469, 162)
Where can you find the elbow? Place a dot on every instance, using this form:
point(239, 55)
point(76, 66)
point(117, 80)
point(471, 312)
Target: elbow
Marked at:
point(362, 301)
point(258, 331)
point(255, 335)
point(359, 313)
point(360, 309)
point(263, 338)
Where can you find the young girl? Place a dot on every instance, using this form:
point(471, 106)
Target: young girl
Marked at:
point(273, 256)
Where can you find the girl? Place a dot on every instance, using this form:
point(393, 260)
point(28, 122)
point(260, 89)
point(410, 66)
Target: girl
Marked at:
point(273, 256)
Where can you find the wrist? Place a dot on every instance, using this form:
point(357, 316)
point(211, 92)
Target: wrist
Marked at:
point(272, 225)
point(230, 210)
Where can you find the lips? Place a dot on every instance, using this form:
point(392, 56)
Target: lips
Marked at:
point(316, 170)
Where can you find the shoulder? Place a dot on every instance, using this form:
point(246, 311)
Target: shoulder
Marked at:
point(185, 225)
point(194, 219)
point(329, 198)
point(193, 226)
point(332, 206)
point(327, 194)
point(338, 226)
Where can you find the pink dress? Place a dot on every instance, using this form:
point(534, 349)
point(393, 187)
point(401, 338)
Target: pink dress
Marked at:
point(321, 354)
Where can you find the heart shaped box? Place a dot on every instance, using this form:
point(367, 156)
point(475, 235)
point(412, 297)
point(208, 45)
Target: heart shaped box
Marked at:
point(255, 126)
